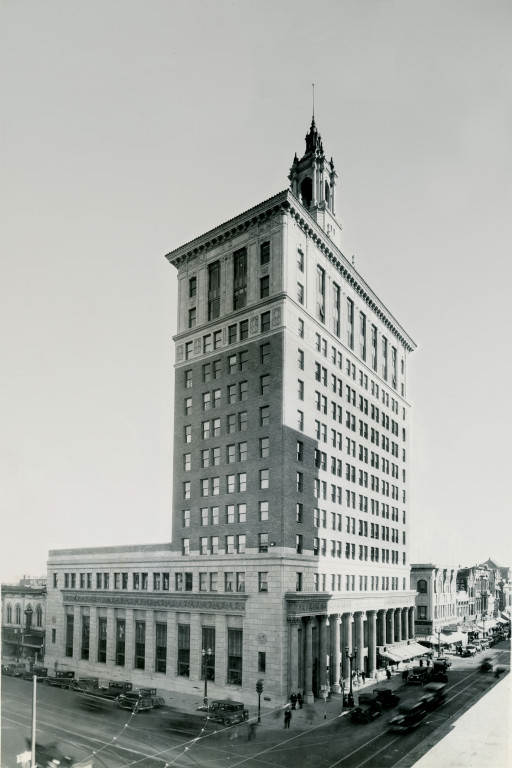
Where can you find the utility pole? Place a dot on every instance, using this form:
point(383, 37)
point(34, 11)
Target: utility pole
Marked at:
point(34, 704)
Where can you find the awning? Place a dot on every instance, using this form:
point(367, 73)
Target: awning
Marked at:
point(456, 637)
point(503, 621)
point(443, 639)
point(390, 656)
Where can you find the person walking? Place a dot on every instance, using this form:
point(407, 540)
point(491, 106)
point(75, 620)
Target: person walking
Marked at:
point(363, 677)
point(300, 700)
point(293, 699)
point(287, 718)
point(251, 734)
point(388, 673)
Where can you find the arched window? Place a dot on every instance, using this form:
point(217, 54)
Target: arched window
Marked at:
point(306, 191)
point(9, 614)
point(39, 616)
point(18, 613)
point(422, 586)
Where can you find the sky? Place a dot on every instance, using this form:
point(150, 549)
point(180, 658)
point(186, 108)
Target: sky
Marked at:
point(129, 127)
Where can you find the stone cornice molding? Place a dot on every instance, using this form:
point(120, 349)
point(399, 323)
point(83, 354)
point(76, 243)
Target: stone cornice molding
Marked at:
point(286, 202)
point(156, 601)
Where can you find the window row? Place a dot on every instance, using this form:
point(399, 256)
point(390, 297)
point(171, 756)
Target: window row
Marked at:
point(335, 582)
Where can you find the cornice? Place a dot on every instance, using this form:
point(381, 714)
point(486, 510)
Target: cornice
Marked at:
point(286, 202)
point(158, 601)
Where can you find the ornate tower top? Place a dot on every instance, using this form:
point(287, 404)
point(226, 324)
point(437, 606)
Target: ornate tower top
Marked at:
point(313, 182)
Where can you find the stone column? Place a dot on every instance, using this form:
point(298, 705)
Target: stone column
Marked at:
point(308, 665)
point(195, 646)
point(111, 637)
point(293, 646)
point(405, 628)
point(372, 642)
point(335, 653)
point(412, 632)
point(93, 634)
point(359, 619)
point(149, 661)
point(389, 626)
point(346, 642)
point(322, 651)
point(129, 645)
point(221, 649)
point(77, 633)
point(398, 624)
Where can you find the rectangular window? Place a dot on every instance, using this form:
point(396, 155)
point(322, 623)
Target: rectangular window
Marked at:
point(264, 416)
point(183, 650)
point(393, 367)
point(229, 580)
point(192, 287)
point(350, 323)
point(362, 335)
point(263, 581)
point(213, 290)
point(85, 638)
point(336, 309)
point(264, 447)
point(265, 322)
point(264, 478)
point(232, 334)
point(160, 647)
point(242, 451)
point(235, 645)
point(192, 317)
point(265, 253)
point(240, 278)
point(374, 348)
point(244, 330)
point(301, 328)
point(217, 339)
point(320, 293)
point(265, 354)
point(120, 641)
point(300, 293)
point(263, 542)
point(298, 581)
point(263, 507)
point(300, 261)
point(102, 640)
point(264, 287)
point(188, 379)
point(384, 358)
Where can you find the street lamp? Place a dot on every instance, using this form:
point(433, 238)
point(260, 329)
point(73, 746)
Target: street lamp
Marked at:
point(351, 657)
point(206, 654)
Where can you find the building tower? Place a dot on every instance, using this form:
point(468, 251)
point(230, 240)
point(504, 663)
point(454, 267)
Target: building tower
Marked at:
point(291, 429)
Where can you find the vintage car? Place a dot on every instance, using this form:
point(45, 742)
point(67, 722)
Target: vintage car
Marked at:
point(228, 712)
point(386, 697)
point(135, 701)
point(486, 665)
point(368, 709)
point(434, 695)
point(440, 671)
point(14, 669)
point(418, 675)
point(409, 716)
point(40, 672)
point(61, 679)
point(469, 650)
point(158, 701)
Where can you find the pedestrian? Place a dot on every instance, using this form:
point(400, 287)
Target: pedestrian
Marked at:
point(300, 700)
point(388, 673)
point(363, 677)
point(293, 699)
point(251, 734)
point(428, 662)
point(287, 718)
point(421, 662)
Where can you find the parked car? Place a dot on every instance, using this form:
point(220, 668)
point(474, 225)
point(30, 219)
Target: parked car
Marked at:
point(367, 709)
point(434, 695)
point(135, 701)
point(387, 697)
point(469, 650)
point(409, 716)
point(158, 701)
point(85, 684)
point(61, 679)
point(484, 644)
point(418, 675)
point(40, 672)
point(228, 712)
point(14, 669)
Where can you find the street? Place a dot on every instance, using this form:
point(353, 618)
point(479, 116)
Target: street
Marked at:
point(113, 738)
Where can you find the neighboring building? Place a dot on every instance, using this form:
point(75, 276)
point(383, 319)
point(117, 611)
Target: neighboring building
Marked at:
point(23, 620)
point(290, 509)
point(436, 598)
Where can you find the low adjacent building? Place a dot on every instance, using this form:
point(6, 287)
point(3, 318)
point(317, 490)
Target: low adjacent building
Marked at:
point(436, 598)
point(23, 620)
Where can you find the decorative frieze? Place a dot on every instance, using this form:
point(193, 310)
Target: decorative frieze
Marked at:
point(155, 601)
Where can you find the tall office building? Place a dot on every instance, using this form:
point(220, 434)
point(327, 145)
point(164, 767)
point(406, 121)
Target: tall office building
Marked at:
point(291, 423)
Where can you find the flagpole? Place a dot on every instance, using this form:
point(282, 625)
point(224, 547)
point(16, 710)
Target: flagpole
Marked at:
point(34, 699)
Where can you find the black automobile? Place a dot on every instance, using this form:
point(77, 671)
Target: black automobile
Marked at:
point(434, 695)
point(228, 712)
point(409, 716)
point(387, 697)
point(368, 709)
point(135, 701)
point(418, 675)
point(61, 679)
